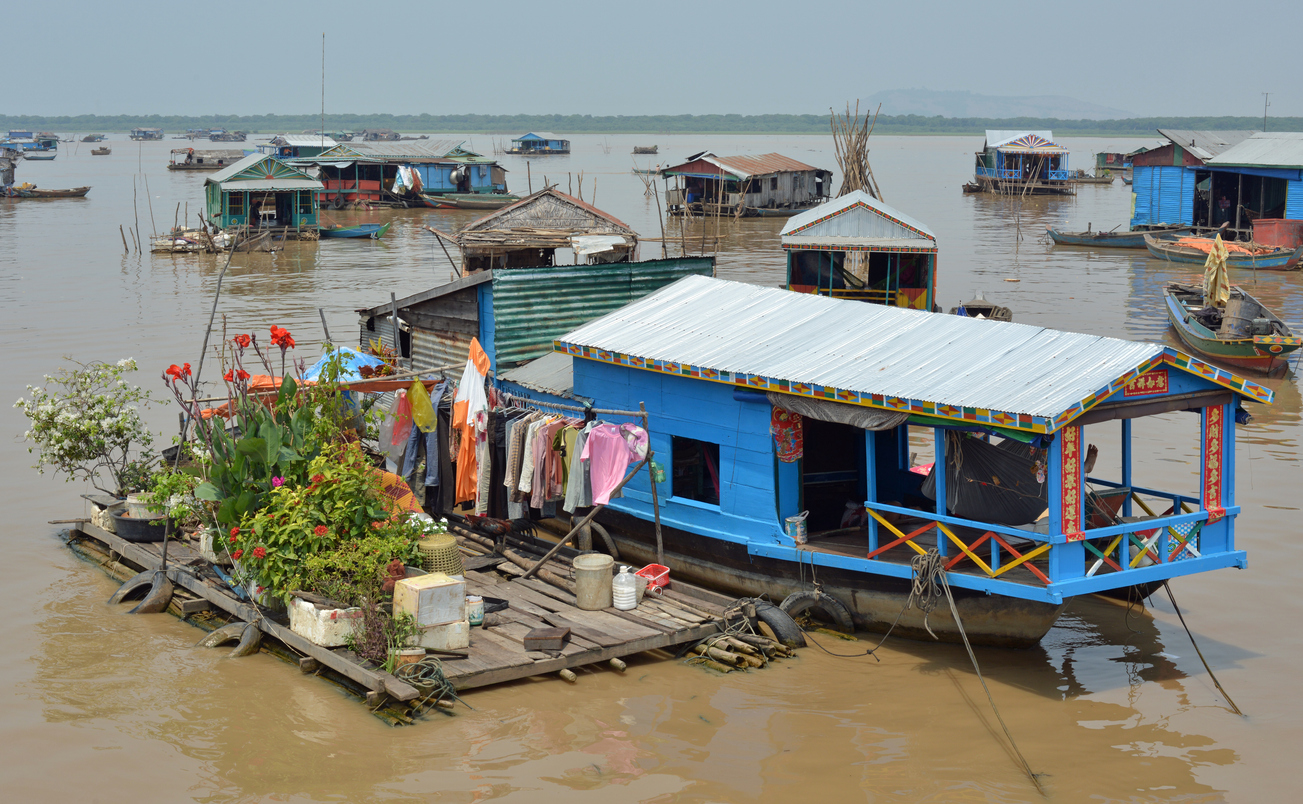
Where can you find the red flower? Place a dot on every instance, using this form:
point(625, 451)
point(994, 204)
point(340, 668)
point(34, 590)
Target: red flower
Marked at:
point(241, 341)
point(378, 524)
point(237, 554)
point(229, 376)
point(281, 337)
point(242, 374)
point(235, 532)
point(320, 530)
point(259, 552)
point(233, 539)
point(178, 373)
point(318, 478)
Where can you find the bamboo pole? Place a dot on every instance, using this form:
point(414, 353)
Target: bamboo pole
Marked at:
point(150, 198)
point(125, 250)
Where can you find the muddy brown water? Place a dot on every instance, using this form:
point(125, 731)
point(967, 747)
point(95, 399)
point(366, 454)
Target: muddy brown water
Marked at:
point(1112, 706)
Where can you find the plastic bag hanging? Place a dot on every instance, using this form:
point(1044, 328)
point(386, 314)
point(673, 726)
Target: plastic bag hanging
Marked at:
point(422, 410)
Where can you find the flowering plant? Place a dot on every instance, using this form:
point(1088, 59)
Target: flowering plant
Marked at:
point(85, 421)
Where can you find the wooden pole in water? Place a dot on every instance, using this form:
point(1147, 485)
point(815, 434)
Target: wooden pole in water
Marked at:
point(529, 176)
point(324, 328)
point(176, 215)
point(660, 218)
point(153, 228)
point(136, 207)
point(125, 250)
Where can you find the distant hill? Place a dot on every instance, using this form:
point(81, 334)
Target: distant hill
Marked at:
point(930, 103)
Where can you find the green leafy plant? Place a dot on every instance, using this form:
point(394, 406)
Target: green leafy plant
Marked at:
point(86, 422)
point(173, 493)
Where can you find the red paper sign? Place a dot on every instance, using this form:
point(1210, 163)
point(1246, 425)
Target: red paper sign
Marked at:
point(1070, 482)
point(1213, 448)
point(1147, 384)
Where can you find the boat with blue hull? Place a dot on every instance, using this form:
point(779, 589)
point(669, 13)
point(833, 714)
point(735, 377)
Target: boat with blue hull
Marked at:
point(1114, 239)
point(1260, 258)
point(771, 408)
point(374, 231)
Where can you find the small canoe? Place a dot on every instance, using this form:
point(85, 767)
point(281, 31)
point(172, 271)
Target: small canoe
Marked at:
point(105, 151)
point(1244, 334)
point(1266, 259)
point(375, 231)
point(40, 156)
point(75, 192)
point(1127, 180)
point(1113, 239)
point(981, 308)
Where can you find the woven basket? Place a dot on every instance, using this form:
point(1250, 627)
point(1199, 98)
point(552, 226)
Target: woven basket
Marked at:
point(439, 553)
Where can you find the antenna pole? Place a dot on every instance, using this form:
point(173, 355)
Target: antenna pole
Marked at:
point(323, 90)
point(1265, 104)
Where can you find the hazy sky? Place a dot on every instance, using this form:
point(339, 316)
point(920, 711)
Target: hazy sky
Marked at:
point(668, 57)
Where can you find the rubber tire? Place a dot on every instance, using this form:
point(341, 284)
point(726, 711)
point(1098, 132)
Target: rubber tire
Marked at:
point(801, 602)
point(784, 628)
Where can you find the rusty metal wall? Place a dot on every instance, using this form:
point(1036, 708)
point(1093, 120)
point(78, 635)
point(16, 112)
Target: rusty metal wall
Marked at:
point(435, 349)
point(383, 330)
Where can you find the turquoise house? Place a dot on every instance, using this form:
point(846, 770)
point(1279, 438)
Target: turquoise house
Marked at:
point(262, 191)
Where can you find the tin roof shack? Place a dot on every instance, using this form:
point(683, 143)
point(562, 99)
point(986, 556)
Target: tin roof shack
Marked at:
point(768, 184)
point(858, 247)
point(402, 171)
point(1108, 161)
point(539, 143)
point(1171, 185)
point(146, 133)
point(261, 191)
point(294, 146)
point(528, 234)
point(1022, 162)
point(516, 314)
point(721, 366)
point(1262, 179)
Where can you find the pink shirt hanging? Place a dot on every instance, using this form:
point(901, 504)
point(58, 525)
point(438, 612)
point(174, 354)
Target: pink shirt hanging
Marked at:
point(610, 449)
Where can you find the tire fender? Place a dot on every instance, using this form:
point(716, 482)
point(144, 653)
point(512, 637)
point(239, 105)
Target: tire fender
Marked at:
point(784, 628)
point(800, 602)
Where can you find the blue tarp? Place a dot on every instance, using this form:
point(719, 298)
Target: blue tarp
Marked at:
point(352, 360)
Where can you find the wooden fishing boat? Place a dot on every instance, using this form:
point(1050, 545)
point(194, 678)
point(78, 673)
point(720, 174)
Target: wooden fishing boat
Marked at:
point(646, 149)
point(1127, 180)
point(375, 231)
point(979, 307)
point(1244, 334)
point(40, 156)
point(32, 192)
point(1082, 177)
point(1114, 239)
point(469, 200)
point(1263, 258)
point(105, 151)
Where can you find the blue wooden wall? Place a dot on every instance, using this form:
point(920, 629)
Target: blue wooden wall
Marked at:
point(1164, 195)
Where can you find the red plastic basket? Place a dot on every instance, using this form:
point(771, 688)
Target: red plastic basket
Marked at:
point(657, 576)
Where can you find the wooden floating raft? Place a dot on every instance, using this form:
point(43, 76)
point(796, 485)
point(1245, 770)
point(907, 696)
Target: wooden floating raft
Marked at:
point(683, 616)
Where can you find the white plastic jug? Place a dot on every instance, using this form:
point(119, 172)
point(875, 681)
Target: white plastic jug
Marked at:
point(624, 590)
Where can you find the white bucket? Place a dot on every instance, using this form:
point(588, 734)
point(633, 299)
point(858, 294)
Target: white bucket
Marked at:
point(796, 527)
point(593, 581)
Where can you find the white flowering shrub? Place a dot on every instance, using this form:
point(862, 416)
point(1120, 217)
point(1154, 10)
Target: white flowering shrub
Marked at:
point(85, 423)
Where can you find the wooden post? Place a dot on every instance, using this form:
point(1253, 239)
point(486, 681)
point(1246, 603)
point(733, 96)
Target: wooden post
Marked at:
point(660, 218)
point(398, 344)
point(136, 208)
point(150, 198)
point(125, 250)
point(529, 176)
point(324, 328)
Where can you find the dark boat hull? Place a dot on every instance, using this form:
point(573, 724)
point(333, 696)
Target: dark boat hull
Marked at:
point(76, 192)
point(1112, 239)
point(875, 601)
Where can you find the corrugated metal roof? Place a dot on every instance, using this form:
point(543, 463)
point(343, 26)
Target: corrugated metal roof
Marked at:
point(995, 137)
point(744, 167)
point(866, 348)
point(1269, 149)
point(230, 171)
point(304, 140)
point(390, 151)
point(1205, 144)
point(538, 135)
point(553, 373)
point(432, 293)
point(856, 218)
point(289, 178)
point(558, 202)
point(278, 184)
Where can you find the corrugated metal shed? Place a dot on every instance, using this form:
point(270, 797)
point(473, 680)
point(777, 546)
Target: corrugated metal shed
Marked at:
point(384, 151)
point(1272, 149)
point(1205, 144)
point(744, 167)
point(428, 295)
point(856, 219)
point(861, 348)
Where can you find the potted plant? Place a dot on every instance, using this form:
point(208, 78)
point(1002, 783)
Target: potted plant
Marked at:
point(85, 423)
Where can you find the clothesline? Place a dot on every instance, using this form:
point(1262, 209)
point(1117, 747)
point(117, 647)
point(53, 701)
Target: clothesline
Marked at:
point(520, 401)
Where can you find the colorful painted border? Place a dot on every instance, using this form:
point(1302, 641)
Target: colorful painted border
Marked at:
point(882, 249)
point(856, 205)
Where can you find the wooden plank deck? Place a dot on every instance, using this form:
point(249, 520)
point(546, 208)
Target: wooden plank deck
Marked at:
point(497, 653)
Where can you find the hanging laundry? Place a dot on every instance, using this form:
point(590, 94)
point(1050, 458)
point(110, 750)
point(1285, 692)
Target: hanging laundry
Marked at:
point(789, 435)
point(610, 449)
point(422, 409)
point(579, 494)
point(470, 418)
point(394, 426)
point(429, 440)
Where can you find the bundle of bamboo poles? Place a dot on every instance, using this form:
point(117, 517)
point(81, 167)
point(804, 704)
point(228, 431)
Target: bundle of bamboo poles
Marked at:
point(850, 134)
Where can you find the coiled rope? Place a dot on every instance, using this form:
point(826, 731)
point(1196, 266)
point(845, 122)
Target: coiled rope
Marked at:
point(428, 672)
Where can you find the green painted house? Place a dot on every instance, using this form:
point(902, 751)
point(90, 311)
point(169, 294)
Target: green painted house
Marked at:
point(262, 191)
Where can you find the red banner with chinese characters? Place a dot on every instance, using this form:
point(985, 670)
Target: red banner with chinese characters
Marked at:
point(1213, 449)
point(1070, 482)
point(1147, 384)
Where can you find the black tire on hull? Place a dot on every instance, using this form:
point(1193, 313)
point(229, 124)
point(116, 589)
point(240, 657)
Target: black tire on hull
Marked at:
point(781, 623)
point(800, 602)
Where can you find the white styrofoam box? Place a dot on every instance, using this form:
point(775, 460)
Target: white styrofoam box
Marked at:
point(215, 554)
point(326, 627)
point(449, 636)
point(432, 599)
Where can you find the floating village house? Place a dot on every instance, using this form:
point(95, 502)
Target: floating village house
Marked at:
point(539, 143)
point(294, 146)
point(146, 133)
point(1020, 162)
point(380, 135)
point(375, 171)
point(262, 191)
point(768, 184)
point(857, 247)
point(531, 232)
point(1251, 182)
point(721, 366)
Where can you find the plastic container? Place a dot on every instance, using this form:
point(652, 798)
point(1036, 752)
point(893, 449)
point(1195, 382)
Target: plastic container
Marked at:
point(138, 507)
point(593, 581)
point(624, 590)
point(433, 599)
point(329, 628)
point(1278, 232)
point(475, 609)
point(796, 527)
point(657, 575)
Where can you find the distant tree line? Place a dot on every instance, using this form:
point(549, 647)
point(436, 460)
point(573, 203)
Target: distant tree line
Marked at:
point(634, 124)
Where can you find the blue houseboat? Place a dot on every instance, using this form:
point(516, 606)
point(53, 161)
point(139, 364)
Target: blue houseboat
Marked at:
point(858, 247)
point(36, 147)
point(374, 171)
point(146, 133)
point(1023, 162)
point(765, 404)
point(539, 143)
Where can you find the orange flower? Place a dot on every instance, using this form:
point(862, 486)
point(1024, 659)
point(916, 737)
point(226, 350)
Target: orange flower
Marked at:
point(241, 341)
point(281, 337)
point(320, 530)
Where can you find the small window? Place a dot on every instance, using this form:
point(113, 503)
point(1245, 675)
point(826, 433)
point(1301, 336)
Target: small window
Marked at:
point(235, 204)
point(696, 470)
point(305, 202)
point(773, 183)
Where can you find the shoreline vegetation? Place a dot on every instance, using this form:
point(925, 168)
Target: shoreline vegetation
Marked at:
point(636, 124)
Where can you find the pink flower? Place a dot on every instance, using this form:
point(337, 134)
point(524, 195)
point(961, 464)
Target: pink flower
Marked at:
point(277, 482)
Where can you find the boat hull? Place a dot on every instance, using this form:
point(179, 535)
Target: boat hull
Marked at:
point(76, 192)
point(875, 601)
point(469, 200)
point(1112, 239)
point(374, 231)
point(1245, 353)
point(1282, 260)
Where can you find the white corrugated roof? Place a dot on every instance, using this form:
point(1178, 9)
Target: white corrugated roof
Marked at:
point(1000, 136)
point(1205, 144)
point(856, 218)
point(865, 348)
point(304, 140)
point(1274, 149)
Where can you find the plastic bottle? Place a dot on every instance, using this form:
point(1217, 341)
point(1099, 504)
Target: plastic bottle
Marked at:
point(624, 590)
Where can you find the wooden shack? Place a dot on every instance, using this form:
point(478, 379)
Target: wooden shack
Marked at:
point(262, 191)
point(531, 232)
point(764, 185)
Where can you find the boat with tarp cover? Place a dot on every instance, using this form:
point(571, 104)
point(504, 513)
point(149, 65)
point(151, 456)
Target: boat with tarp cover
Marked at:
point(1194, 251)
point(771, 409)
